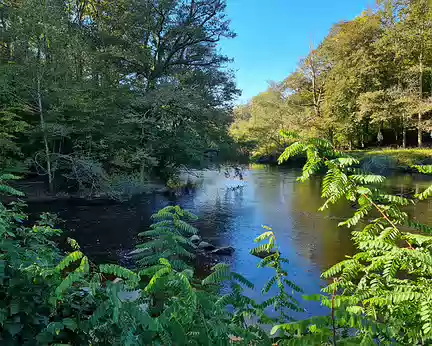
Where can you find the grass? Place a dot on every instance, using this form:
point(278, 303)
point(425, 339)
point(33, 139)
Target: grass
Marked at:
point(403, 157)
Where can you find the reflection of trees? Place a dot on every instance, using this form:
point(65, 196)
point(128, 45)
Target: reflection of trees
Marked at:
point(272, 196)
point(330, 243)
point(216, 223)
point(408, 185)
point(324, 242)
point(104, 231)
point(291, 208)
point(217, 214)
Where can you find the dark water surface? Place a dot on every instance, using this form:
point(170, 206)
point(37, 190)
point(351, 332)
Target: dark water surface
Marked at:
point(271, 196)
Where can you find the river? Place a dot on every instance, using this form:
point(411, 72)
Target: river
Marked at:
point(309, 239)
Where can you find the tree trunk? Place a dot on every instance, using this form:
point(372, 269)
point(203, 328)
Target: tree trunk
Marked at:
point(404, 135)
point(419, 131)
point(419, 123)
point(142, 172)
point(45, 137)
point(315, 91)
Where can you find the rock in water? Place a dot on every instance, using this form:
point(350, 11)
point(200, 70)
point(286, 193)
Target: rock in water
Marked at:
point(195, 238)
point(206, 246)
point(224, 251)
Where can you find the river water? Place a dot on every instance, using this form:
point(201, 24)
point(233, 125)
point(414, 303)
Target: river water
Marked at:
point(309, 239)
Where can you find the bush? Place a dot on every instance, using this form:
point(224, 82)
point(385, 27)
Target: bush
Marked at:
point(51, 298)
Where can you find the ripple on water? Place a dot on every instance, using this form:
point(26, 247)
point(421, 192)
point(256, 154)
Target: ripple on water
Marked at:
point(233, 217)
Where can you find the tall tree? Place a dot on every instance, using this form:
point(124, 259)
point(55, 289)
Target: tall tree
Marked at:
point(370, 76)
point(125, 85)
point(411, 32)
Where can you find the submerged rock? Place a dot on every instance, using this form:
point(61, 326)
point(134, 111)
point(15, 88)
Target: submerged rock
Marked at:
point(224, 251)
point(206, 246)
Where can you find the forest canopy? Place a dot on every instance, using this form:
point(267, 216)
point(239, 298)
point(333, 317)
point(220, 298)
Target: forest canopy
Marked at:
point(368, 83)
point(90, 87)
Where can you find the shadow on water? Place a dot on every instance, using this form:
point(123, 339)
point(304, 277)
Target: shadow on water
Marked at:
point(310, 239)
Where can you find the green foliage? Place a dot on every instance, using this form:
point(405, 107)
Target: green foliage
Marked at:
point(50, 298)
point(383, 290)
point(168, 238)
point(6, 189)
point(283, 301)
point(379, 295)
point(366, 84)
point(90, 92)
point(53, 299)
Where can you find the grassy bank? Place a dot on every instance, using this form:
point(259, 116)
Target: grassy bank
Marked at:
point(405, 157)
point(377, 160)
point(387, 159)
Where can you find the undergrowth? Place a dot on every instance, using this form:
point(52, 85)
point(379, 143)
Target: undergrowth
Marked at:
point(381, 295)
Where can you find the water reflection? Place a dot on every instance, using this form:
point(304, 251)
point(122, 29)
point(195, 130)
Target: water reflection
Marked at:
point(310, 239)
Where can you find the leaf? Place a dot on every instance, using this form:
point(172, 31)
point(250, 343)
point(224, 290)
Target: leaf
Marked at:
point(426, 169)
point(54, 328)
point(13, 328)
point(120, 272)
point(221, 272)
point(70, 323)
point(10, 191)
point(67, 283)
point(263, 236)
point(425, 194)
point(156, 277)
point(68, 260)
point(14, 307)
point(293, 150)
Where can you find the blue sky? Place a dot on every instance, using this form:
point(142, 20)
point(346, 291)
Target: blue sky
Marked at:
point(274, 34)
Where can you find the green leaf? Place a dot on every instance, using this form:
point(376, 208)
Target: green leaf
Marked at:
point(68, 260)
point(70, 323)
point(13, 328)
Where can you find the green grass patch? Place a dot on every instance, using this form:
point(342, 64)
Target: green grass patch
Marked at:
point(403, 157)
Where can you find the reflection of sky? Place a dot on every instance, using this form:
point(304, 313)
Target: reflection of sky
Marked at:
point(235, 218)
point(309, 239)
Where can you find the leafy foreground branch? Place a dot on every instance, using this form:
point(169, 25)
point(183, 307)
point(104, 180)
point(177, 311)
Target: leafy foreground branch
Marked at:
point(381, 295)
point(50, 299)
point(384, 291)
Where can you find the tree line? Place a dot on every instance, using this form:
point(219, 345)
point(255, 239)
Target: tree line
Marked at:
point(368, 83)
point(91, 87)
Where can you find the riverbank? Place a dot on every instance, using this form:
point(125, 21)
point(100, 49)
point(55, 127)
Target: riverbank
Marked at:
point(377, 160)
point(388, 160)
point(35, 190)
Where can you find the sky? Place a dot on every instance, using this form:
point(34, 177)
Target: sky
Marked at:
point(273, 35)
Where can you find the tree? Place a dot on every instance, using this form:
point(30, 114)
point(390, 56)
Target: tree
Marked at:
point(412, 31)
point(306, 86)
point(259, 123)
point(369, 75)
point(388, 107)
point(132, 86)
